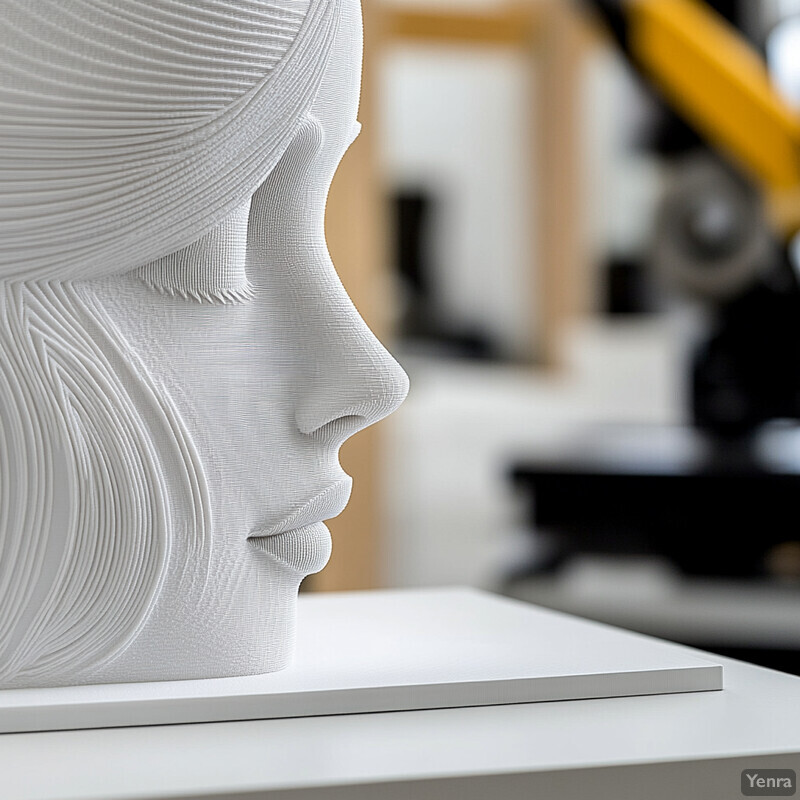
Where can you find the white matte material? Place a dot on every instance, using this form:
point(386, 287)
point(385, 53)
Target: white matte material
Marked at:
point(389, 651)
point(174, 395)
point(662, 747)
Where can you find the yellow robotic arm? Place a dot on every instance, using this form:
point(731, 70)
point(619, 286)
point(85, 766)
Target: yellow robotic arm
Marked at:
point(719, 84)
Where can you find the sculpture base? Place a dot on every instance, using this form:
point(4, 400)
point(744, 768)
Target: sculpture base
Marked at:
point(391, 651)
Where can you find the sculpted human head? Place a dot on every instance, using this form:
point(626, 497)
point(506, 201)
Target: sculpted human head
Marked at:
point(179, 362)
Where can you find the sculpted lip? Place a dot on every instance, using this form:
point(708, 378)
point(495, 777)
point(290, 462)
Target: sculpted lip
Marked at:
point(329, 503)
point(302, 550)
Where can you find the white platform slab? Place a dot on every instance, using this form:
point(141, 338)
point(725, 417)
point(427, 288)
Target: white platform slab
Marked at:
point(389, 651)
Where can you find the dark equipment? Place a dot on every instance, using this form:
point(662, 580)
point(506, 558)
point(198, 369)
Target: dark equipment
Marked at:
point(722, 509)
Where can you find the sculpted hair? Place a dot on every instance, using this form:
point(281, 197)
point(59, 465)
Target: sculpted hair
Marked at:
point(130, 128)
point(132, 136)
point(88, 492)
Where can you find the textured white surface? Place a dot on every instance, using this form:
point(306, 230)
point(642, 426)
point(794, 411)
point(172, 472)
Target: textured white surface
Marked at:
point(388, 651)
point(174, 395)
point(128, 130)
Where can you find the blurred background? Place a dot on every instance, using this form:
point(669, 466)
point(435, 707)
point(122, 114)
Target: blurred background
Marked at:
point(574, 224)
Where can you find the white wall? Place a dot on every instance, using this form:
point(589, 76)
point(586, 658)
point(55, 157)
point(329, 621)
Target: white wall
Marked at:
point(455, 124)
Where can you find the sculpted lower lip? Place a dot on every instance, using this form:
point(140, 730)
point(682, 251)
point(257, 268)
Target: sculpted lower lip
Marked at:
point(303, 550)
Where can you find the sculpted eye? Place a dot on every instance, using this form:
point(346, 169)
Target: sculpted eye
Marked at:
point(210, 270)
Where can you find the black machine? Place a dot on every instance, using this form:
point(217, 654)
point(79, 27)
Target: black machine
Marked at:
point(713, 496)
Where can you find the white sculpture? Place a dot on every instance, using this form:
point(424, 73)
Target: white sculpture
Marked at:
point(179, 363)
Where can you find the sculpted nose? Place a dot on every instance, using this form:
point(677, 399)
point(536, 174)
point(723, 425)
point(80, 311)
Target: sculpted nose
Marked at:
point(354, 384)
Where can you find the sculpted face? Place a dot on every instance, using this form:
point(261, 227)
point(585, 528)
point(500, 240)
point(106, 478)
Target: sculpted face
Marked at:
point(253, 368)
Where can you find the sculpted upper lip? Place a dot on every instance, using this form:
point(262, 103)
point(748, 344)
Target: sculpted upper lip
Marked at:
point(330, 502)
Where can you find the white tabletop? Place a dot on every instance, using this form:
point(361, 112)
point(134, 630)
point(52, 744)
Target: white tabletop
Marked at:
point(669, 746)
point(361, 652)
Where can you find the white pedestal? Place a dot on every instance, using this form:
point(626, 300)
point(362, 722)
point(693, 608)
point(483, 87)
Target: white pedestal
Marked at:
point(389, 651)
